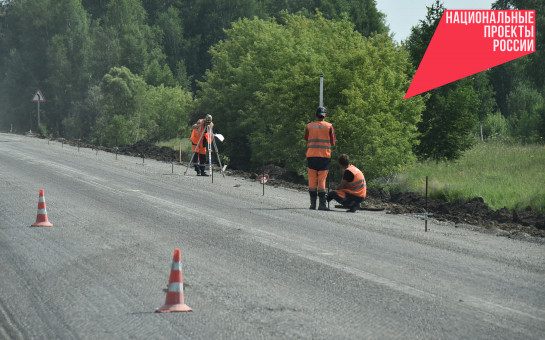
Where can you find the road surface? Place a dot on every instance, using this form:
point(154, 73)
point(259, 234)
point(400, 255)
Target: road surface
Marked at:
point(256, 267)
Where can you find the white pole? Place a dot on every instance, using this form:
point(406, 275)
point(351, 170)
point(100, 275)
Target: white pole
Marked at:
point(321, 89)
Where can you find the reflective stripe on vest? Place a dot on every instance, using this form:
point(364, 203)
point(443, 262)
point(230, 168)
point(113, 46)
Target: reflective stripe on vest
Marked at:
point(319, 143)
point(358, 186)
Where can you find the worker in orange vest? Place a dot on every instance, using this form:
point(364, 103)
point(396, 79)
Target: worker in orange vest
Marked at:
point(352, 190)
point(320, 136)
point(200, 128)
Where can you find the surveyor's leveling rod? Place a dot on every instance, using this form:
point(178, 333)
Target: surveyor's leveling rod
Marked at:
point(321, 89)
point(208, 128)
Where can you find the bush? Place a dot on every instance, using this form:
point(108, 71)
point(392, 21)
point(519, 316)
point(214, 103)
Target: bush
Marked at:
point(526, 108)
point(495, 126)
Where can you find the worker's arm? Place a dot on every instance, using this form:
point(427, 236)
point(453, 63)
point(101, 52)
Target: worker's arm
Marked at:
point(342, 184)
point(347, 178)
point(198, 124)
point(332, 138)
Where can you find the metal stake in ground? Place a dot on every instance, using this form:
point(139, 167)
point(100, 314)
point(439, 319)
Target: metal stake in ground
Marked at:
point(426, 209)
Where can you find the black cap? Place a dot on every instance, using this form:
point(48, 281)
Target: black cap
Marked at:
point(321, 111)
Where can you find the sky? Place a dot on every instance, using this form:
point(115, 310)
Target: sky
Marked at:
point(401, 15)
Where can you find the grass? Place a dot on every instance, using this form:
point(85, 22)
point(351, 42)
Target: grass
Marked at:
point(503, 174)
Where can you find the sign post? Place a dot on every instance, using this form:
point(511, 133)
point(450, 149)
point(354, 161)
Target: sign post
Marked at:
point(38, 98)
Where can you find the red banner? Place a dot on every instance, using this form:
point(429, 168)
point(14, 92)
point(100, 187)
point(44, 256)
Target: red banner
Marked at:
point(470, 41)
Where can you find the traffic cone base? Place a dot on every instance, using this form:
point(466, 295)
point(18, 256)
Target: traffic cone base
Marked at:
point(175, 295)
point(41, 218)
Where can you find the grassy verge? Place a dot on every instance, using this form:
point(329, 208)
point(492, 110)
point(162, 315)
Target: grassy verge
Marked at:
point(504, 175)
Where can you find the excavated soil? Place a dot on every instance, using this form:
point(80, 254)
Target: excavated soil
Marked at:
point(472, 212)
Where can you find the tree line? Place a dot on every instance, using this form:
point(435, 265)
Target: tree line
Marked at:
point(117, 71)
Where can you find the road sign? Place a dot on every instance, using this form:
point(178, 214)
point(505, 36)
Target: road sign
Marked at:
point(38, 97)
point(263, 179)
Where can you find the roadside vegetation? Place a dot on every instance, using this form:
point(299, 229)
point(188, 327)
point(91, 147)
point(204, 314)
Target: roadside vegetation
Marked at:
point(504, 174)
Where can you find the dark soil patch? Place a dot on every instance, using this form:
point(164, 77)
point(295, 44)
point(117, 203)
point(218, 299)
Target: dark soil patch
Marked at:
point(473, 212)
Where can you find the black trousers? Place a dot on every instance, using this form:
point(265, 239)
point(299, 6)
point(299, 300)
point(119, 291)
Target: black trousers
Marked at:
point(348, 201)
point(199, 161)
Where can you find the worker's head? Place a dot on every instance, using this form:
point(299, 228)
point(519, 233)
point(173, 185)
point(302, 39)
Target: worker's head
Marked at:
point(321, 112)
point(344, 161)
point(208, 119)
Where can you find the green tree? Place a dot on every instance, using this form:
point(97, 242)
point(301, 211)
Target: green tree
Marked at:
point(525, 76)
point(495, 126)
point(452, 110)
point(168, 108)
point(45, 44)
point(132, 110)
point(67, 59)
point(139, 43)
point(535, 61)
point(448, 121)
point(486, 103)
point(263, 90)
point(526, 108)
point(170, 22)
point(155, 75)
point(123, 95)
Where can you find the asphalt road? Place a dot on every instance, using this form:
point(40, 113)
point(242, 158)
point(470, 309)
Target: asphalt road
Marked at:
point(256, 266)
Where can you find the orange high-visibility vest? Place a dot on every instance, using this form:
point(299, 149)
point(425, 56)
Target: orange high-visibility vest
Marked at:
point(196, 136)
point(319, 143)
point(197, 133)
point(357, 187)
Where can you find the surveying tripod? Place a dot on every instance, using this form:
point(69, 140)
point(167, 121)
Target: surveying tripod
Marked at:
point(211, 141)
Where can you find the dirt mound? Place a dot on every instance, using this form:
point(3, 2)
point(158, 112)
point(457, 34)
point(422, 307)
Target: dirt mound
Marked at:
point(474, 212)
point(149, 150)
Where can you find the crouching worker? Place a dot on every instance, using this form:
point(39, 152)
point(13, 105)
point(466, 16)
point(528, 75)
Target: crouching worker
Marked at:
point(352, 189)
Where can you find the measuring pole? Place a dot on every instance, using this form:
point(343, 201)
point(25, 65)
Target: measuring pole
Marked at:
point(209, 135)
point(321, 89)
point(38, 115)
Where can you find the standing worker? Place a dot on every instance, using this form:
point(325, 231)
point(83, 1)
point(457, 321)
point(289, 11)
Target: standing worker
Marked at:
point(352, 190)
point(201, 133)
point(320, 136)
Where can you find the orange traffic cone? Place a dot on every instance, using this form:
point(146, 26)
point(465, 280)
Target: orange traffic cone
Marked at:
point(175, 295)
point(41, 219)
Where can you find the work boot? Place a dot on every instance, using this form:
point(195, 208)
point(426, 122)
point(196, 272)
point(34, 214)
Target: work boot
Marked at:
point(313, 197)
point(323, 204)
point(354, 207)
point(203, 172)
point(198, 170)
